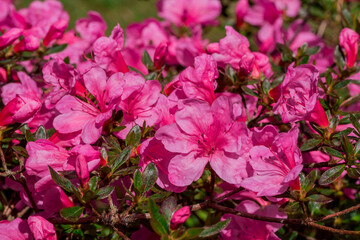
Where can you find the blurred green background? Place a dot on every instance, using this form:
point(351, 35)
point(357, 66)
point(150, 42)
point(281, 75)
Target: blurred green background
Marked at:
point(113, 11)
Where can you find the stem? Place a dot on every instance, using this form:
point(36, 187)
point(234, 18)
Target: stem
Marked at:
point(343, 212)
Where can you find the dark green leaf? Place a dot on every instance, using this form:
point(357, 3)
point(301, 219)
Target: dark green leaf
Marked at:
point(93, 183)
point(168, 207)
point(134, 136)
point(123, 157)
point(319, 198)
point(190, 233)
point(266, 86)
point(60, 180)
point(250, 92)
point(357, 148)
point(137, 180)
point(339, 58)
point(56, 49)
point(104, 192)
point(286, 53)
point(353, 172)
point(312, 50)
point(71, 213)
point(309, 181)
point(28, 136)
point(20, 150)
point(158, 222)
point(126, 171)
point(158, 197)
point(40, 133)
point(342, 84)
point(347, 147)
point(331, 174)
point(149, 177)
point(151, 76)
point(332, 152)
point(146, 60)
point(214, 229)
point(355, 122)
point(310, 144)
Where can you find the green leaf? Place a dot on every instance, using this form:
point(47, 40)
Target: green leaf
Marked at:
point(28, 136)
point(137, 180)
point(286, 53)
point(126, 171)
point(104, 192)
point(214, 229)
point(266, 86)
point(339, 58)
point(123, 157)
point(71, 213)
point(250, 92)
point(347, 147)
point(149, 177)
point(190, 233)
point(93, 183)
point(20, 150)
point(357, 148)
point(319, 198)
point(40, 133)
point(310, 144)
point(168, 208)
point(146, 60)
point(56, 49)
point(312, 50)
point(355, 122)
point(331, 175)
point(353, 172)
point(134, 136)
point(158, 222)
point(60, 180)
point(309, 181)
point(342, 84)
point(158, 197)
point(333, 152)
point(151, 76)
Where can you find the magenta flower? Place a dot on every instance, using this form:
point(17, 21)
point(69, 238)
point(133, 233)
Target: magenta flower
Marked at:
point(247, 229)
point(349, 41)
point(276, 162)
point(138, 101)
point(200, 81)
point(18, 228)
point(190, 12)
point(299, 96)
point(10, 36)
point(41, 228)
point(86, 118)
point(92, 27)
point(197, 140)
point(179, 217)
point(56, 31)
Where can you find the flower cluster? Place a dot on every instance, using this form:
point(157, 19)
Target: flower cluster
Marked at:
point(260, 126)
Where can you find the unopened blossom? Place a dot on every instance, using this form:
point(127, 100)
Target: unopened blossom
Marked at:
point(197, 140)
point(56, 31)
point(19, 110)
point(248, 229)
point(298, 96)
point(160, 55)
point(82, 169)
point(86, 118)
point(276, 162)
point(179, 217)
point(190, 12)
point(10, 36)
point(349, 41)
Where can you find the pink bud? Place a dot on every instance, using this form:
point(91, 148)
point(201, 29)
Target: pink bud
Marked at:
point(318, 116)
point(82, 169)
point(160, 55)
point(41, 228)
point(348, 40)
point(30, 43)
point(19, 110)
point(180, 217)
point(56, 31)
point(241, 10)
point(246, 64)
point(213, 48)
point(3, 75)
point(10, 36)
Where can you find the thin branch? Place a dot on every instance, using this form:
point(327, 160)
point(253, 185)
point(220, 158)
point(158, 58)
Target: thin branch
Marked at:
point(343, 212)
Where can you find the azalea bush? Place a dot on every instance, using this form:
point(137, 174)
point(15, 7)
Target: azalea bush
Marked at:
point(216, 120)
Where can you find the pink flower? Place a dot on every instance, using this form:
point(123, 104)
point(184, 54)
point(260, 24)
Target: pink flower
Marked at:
point(16, 229)
point(247, 229)
point(138, 101)
point(200, 81)
point(3, 75)
point(179, 217)
point(276, 162)
point(92, 27)
point(160, 55)
point(82, 170)
point(19, 110)
point(349, 41)
point(107, 51)
point(197, 140)
point(299, 96)
point(152, 150)
point(190, 12)
point(41, 228)
point(241, 10)
point(56, 31)
point(10, 36)
point(86, 118)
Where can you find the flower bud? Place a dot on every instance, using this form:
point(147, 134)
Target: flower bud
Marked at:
point(19, 110)
point(179, 217)
point(10, 36)
point(82, 170)
point(348, 40)
point(3, 75)
point(56, 30)
point(160, 55)
point(246, 64)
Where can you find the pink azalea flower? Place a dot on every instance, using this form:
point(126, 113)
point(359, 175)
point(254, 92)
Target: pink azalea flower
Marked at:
point(16, 229)
point(200, 81)
point(9, 37)
point(298, 97)
point(41, 228)
point(56, 31)
point(190, 12)
point(198, 140)
point(92, 27)
point(179, 217)
point(241, 10)
point(349, 41)
point(152, 150)
point(138, 102)
point(86, 118)
point(276, 162)
point(247, 229)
